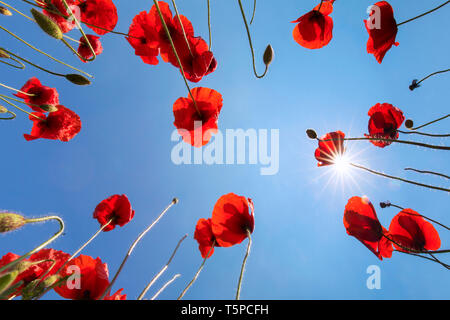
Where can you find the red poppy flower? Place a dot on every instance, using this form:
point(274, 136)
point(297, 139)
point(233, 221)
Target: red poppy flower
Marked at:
point(84, 49)
point(100, 13)
point(42, 95)
point(57, 5)
point(361, 222)
point(382, 33)
point(385, 120)
point(116, 296)
point(329, 150)
point(93, 279)
point(314, 30)
point(196, 127)
point(205, 237)
point(232, 217)
point(144, 38)
point(200, 63)
point(63, 125)
point(411, 230)
point(118, 208)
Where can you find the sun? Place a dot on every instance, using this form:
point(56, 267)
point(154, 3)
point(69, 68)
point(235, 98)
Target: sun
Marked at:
point(341, 163)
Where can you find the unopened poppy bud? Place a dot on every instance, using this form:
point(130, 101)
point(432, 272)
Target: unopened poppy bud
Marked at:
point(48, 108)
point(7, 280)
point(311, 134)
point(47, 24)
point(385, 204)
point(11, 222)
point(409, 123)
point(5, 11)
point(78, 79)
point(3, 109)
point(414, 85)
point(175, 200)
point(49, 281)
point(4, 54)
point(22, 266)
point(268, 55)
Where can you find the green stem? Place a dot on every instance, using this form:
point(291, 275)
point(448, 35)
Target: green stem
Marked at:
point(209, 24)
point(425, 134)
point(160, 273)
point(176, 54)
point(251, 44)
point(21, 65)
point(241, 276)
point(16, 90)
point(431, 122)
point(12, 117)
point(175, 277)
point(42, 245)
point(18, 108)
point(399, 179)
point(197, 273)
point(254, 11)
point(424, 14)
point(182, 27)
point(428, 172)
point(134, 244)
point(34, 65)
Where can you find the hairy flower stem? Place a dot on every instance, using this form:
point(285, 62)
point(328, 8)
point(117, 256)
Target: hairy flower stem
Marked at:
point(42, 245)
point(2, 97)
point(425, 134)
point(251, 44)
point(175, 277)
point(428, 172)
point(209, 24)
point(176, 54)
point(134, 244)
point(182, 27)
point(42, 52)
point(197, 273)
point(431, 122)
point(424, 14)
point(399, 179)
point(241, 276)
point(160, 273)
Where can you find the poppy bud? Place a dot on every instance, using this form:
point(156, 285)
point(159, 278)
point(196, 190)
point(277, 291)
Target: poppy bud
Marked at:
point(311, 134)
point(49, 281)
point(409, 123)
point(48, 108)
point(78, 79)
point(5, 11)
point(414, 85)
point(4, 54)
point(7, 280)
point(47, 24)
point(175, 200)
point(3, 109)
point(385, 204)
point(268, 55)
point(11, 222)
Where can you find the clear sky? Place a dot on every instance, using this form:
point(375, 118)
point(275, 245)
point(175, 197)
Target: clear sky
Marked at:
point(301, 249)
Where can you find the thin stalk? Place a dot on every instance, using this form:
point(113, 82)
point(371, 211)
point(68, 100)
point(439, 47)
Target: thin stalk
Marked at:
point(182, 27)
point(42, 245)
point(42, 52)
point(20, 101)
point(254, 11)
point(412, 250)
point(320, 6)
point(432, 74)
point(16, 90)
point(420, 215)
point(431, 122)
point(209, 24)
point(241, 276)
point(425, 134)
point(133, 245)
point(21, 65)
point(175, 277)
point(198, 272)
point(418, 255)
point(414, 143)
point(34, 65)
point(424, 14)
point(160, 273)
point(399, 179)
point(176, 54)
point(12, 117)
point(429, 172)
point(251, 44)
point(19, 108)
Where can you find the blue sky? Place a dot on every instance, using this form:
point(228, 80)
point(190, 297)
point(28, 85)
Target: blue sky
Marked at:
point(301, 249)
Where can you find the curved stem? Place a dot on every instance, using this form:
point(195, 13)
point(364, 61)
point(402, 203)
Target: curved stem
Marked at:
point(419, 215)
point(176, 54)
point(428, 172)
point(251, 44)
point(160, 273)
point(182, 27)
point(19, 108)
point(133, 245)
point(431, 122)
point(21, 65)
point(209, 24)
point(439, 261)
point(198, 272)
point(412, 250)
point(241, 276)
point(12, 117)
point(42, 245)
point(42, 52)
point(254, 11)
point(425, 134)
point(424, 14)
point(175, 277)
point(399, 179)
point(418, 255)
point(34, 65)
point(432, 74)
point(15, 10)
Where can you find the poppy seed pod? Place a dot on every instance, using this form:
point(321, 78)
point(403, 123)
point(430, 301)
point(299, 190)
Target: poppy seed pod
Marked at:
point(5, 11)
point(409, 123)
point(385, 204)
point(48, 108)
point(11, 222)
point(47, 24)
point(268, 55)
point(4, 54)
point(311, 134)
point(414, 85)
point(78, 79)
